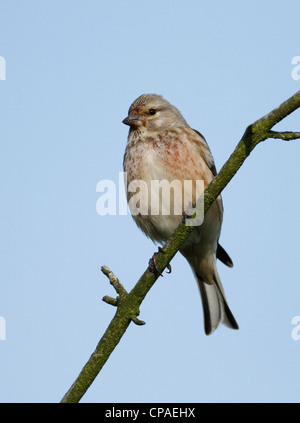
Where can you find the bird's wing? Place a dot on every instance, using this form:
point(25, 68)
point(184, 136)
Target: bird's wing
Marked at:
point(212, 164)
point(223, 256)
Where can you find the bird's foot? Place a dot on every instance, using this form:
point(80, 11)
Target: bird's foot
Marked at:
point(185, 216)
point(153, 265)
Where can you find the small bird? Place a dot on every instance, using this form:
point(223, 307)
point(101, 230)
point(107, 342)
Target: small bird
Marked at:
point(162, 146)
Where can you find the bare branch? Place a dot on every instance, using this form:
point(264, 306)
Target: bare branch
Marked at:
point(110, 300)
point(281, 112)
point(114, 280)
point(128, 303)
point(285, 136)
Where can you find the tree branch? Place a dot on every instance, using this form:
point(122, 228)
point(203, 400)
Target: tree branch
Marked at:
point(285, 136)
point(128, 303)
point(114, 281)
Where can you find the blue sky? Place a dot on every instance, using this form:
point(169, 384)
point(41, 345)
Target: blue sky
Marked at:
point(72, 70)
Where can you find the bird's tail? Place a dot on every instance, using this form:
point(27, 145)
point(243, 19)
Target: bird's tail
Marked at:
point(215, 307)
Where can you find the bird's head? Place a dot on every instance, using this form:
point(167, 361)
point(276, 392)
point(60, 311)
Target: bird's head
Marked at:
point(154, 113)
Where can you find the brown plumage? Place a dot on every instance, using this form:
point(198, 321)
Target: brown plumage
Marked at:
point(162, 146)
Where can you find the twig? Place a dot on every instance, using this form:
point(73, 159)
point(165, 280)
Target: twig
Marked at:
point(285, 136)
point(120, 290)
point(114, 281)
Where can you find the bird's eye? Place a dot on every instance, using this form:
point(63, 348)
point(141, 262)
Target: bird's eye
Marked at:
point(152, 111)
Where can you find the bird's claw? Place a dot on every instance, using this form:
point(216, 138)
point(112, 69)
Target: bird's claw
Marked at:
point(169, 268)
point(153, 265)
point(185, 216)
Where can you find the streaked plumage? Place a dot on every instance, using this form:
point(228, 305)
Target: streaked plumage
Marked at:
point(162, 146)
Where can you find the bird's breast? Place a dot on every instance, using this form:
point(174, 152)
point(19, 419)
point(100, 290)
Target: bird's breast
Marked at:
point(169, 156)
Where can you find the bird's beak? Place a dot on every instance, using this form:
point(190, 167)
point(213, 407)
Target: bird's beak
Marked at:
point(132, 120)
